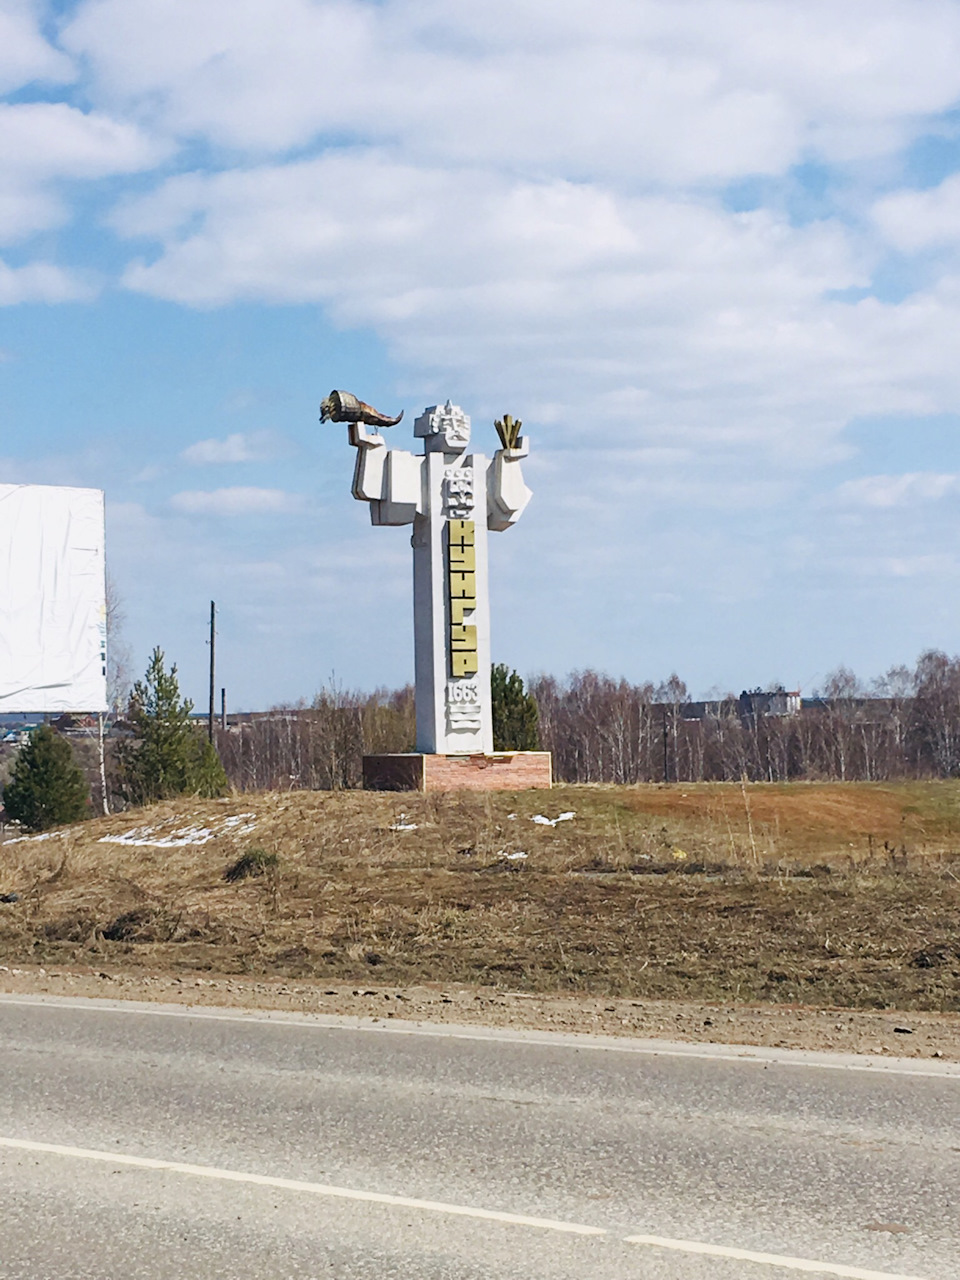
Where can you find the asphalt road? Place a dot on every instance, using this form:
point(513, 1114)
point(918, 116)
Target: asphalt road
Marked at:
point(140, 1141)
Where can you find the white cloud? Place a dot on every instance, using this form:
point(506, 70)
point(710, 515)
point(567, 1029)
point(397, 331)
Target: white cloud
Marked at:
point(709, 89)
point(25, 56)
point(256, 446)
point(43, 143)
point(914, 220)
point(915, 488)
point(53, 139)
point(42, 282)
point(496, 216)
point(237, 501)
point(670, 319)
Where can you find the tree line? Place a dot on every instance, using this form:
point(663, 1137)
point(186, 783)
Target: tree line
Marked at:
point(904, 725)
point(321, 746)
point(599, 729)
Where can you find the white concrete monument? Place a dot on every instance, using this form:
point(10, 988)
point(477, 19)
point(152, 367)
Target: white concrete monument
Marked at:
point(451, 497)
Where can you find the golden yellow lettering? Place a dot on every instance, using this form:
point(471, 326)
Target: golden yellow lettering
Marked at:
point(463, 637)
point(459, 608)
point(464, 664)
point(462, 580)
point(463, 559)
point(462, 531)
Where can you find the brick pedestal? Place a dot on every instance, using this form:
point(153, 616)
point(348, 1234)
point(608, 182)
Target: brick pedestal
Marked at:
point(501, 771)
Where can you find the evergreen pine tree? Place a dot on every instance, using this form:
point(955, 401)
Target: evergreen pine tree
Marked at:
point(515, 714)
point(169, 756)
point(47, 787)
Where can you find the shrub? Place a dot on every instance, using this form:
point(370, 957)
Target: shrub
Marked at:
point(47, 787)
point(255, 862)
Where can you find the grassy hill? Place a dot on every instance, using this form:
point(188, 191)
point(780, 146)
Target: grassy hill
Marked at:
point(829, 894)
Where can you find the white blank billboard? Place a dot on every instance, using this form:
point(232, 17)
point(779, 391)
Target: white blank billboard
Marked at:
point(53, 613)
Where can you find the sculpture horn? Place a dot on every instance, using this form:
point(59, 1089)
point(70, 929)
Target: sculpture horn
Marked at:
point(342, 406)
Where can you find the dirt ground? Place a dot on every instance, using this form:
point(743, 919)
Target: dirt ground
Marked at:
point(808, 915)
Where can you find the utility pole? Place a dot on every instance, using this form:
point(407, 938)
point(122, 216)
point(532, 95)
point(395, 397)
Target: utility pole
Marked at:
point(223, 708)
point(213, 668)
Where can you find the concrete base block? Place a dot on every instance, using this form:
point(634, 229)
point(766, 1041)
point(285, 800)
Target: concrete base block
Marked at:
point(500, 771)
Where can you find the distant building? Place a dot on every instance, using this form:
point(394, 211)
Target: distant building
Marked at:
point(770, 702)
point(715, 709)
point(758, 702)
point(864, 709)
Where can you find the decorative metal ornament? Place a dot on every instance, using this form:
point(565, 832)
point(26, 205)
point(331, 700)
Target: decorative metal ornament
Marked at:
point(342, 406)
point(508, 429)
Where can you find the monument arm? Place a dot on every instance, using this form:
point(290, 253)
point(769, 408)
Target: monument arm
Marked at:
point(507, 494)
point(389, 479)
point(368, 473)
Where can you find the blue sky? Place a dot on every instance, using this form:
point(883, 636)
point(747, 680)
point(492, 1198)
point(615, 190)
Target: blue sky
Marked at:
point(709, 251)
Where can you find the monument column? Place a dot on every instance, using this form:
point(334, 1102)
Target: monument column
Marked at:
point(451, 498)
point(451, 602)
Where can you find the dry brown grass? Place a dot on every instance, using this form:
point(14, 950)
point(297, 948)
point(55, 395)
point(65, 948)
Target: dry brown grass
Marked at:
point(820, 894)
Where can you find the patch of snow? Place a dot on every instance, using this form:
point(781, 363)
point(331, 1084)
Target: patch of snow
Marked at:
point(402, 825)
point(150, 837)
point(146, 837)
point(552, 822)
point(515, 857)
point(44, 835)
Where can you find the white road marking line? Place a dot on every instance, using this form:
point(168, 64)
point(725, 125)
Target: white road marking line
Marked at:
point(767, 1259)
point(295, 1184)
point(753, 1055)
point(438, 1206)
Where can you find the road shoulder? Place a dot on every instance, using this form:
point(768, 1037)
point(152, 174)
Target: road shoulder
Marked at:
point(878, 1034)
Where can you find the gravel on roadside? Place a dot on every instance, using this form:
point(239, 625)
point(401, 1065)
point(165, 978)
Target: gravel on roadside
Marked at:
point(905, 1035)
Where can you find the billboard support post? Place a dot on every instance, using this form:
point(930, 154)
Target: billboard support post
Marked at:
point(103, 767)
